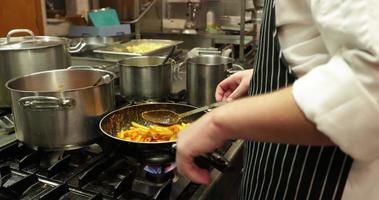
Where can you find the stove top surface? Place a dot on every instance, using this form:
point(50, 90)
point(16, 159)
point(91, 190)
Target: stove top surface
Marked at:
point(99, 171)
point(87, 173)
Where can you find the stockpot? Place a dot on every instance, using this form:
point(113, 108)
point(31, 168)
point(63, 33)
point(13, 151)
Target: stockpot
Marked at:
point(25, 55)
point(204, 72)
point(145, 78)
point(61, 109)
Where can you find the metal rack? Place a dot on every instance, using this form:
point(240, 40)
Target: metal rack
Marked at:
point(137, 28)
point(257, 6)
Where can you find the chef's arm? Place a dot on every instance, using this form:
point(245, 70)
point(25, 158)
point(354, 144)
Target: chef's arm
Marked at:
point(273, 117)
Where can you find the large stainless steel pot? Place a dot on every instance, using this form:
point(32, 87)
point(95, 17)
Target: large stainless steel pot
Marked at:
point(60, 109)
point(204, 72)
point(25, 55)
point(145, 78)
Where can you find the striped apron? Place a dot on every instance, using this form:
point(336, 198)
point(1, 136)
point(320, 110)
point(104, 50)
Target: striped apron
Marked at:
point(283, 171)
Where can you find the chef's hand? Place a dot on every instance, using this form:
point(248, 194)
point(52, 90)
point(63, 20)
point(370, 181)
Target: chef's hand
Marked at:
point(202, 136)
point(234, 87)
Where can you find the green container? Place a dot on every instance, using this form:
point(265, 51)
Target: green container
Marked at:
point(104, 17)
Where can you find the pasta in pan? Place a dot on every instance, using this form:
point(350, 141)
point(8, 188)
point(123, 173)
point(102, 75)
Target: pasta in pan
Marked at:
point(141, 133)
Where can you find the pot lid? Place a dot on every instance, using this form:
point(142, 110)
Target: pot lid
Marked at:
point(28, 42)
point(25, 43)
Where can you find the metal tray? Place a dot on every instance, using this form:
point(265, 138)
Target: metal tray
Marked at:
point(121, 49)
point(79, 62)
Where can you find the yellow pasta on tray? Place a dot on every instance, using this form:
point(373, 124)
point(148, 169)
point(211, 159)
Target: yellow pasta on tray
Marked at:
point(141, 133)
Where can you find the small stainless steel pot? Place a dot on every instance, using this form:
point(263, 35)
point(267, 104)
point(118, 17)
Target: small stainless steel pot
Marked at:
point(60, 109)
point(204, 72)
point(25, 55)
point(145, 78)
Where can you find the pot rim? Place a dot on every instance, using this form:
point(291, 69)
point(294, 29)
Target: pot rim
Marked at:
point(191, 60)
point(46, 42)
point(113, 77)
point(122, 64)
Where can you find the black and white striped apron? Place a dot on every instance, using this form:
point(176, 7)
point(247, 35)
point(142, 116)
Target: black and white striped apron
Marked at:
point(283, 171)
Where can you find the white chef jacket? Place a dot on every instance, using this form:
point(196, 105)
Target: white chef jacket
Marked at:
point(333, 47)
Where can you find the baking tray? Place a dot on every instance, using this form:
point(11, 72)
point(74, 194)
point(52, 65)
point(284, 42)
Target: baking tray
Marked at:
point(121, 48)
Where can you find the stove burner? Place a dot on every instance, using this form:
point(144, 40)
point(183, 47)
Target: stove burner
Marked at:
point(49, 158)
point(160, 173)
point(159, 169)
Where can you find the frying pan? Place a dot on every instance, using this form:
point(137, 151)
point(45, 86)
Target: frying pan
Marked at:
point(154, 152)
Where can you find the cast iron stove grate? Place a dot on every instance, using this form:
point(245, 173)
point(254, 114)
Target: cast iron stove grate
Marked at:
point(78, 174)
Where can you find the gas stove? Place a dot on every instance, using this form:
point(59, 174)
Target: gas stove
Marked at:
point(87, 173)
point(100, 171)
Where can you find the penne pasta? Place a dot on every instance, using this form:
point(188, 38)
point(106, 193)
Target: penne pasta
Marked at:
point(140, 133)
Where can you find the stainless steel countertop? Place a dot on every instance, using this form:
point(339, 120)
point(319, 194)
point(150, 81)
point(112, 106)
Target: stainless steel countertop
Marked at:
point(218, 38)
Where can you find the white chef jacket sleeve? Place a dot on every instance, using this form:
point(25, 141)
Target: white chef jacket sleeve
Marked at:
point(342, 96)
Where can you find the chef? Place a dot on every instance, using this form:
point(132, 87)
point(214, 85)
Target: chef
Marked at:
point(310, 124)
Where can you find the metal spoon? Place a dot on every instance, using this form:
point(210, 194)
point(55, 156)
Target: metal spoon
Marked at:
point(169, 117)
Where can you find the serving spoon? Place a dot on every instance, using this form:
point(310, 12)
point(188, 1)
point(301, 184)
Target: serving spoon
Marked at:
point(169, 117)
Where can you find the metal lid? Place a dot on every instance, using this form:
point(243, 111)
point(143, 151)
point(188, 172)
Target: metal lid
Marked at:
point(28, 42)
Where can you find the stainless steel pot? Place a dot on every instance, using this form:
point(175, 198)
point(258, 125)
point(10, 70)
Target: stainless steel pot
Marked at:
point(204, 72)
point(60, 109)
point(145, 78)
point(25, 55)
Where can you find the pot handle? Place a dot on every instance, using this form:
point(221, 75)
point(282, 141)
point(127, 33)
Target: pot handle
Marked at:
point(10, 33)
point(213, 159)
point(78, 47)
point(235, 68)
point(45, 103)
point(177, 70)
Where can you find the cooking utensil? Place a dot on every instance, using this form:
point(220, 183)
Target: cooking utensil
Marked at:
point(152, 152)
point(169, 55)
point(204, 72)
point(25, 55)
point(60, 109)
point(169, 117)
point(103, 79)
point(145, 78)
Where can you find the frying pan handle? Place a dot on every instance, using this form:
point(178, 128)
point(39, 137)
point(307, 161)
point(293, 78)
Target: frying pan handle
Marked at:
point(213, 159)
